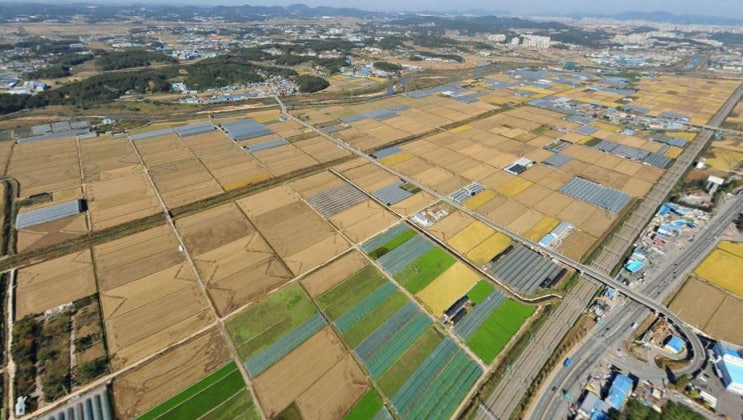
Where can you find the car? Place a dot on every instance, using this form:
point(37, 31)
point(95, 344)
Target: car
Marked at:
point(633, 325)
point(554, 388)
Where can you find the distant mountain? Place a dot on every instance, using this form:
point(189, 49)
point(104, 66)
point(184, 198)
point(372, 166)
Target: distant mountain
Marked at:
point(666, 17)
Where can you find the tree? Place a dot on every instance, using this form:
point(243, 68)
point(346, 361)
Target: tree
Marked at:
point(310, 84)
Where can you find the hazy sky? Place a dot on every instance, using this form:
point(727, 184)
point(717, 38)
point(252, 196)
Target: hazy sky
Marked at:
point(727, 8)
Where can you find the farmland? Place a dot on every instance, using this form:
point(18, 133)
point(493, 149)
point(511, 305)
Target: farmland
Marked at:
point(709, 308)
point(723, 267)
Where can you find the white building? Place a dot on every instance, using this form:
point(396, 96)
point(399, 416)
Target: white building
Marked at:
point(536, 41)
point(496, 37)
point(515, 41)
point(714, 182)
point(729, 366)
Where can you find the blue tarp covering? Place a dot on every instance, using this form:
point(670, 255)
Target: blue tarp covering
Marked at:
point(547, 240)
point(619, 391)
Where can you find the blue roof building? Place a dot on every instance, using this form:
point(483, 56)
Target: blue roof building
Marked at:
point(634, 266)
point(729, 365)
point(619, 391)
point(675, 344)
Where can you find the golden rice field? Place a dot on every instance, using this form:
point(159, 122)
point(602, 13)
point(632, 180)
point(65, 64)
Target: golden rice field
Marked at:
point(542, 228)
point(489, 248)
point(448, 287)
point(514, 186)
point(396, 158)
point(723, 267)
point(470, 236)
point(480, 199)
point(724, 159)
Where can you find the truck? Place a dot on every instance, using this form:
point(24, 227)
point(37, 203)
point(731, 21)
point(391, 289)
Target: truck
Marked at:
point(567, 362)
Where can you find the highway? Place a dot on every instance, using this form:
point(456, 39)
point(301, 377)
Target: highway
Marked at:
point(596, 347)
point(612, 253)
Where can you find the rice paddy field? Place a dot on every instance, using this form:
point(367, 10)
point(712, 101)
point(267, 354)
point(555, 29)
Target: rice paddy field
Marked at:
point(723, 267)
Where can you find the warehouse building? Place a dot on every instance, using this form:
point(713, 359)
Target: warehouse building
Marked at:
point(728, 363)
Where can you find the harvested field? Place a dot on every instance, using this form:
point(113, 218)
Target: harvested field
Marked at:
point(284, 159)
point(414, 203)
point(577, 245)
point(598, 223)
point(234, 169)
point(55, 282)
point(333, 395)
point(450, 225)
point(448, 287)
point(240, 272)
point(288, 379)
point(141, 320)
point(710, 309)
point(507, 213)
point(577, 212)
point(321, 149)
point(45, 166)
point(213, 228)
point(120, 200)
point(368, 176)
point(329, 276)
point(51, 233)
point(105, 158)
point(210, 143)
point(637, 187)
point(554, 204)
point(6, 147)
point(162, 150)
point(470, 236)
point(296, 233)
point(137, 390)
point(184, 182)
point(314, 184)
point(723, 267)
point(127, 259)
point(525, 222)
point(363, 220)
point(532, 195)
point(725, 322)
point(489, 248)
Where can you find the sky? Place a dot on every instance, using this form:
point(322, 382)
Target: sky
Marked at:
point(727, 8)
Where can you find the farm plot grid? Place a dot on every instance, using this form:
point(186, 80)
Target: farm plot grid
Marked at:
point(394, 339)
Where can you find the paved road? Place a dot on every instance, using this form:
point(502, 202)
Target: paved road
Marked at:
point(521, 374)
point(613, 252)
point(599, 346)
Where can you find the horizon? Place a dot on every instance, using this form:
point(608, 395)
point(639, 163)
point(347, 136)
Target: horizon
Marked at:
point(728, 8)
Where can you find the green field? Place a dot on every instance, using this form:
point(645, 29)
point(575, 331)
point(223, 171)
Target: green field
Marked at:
point(221, 395)
point(480, 291)
point(265, 322)
point(424, 270)
point(366, 407)
point(338, 300)
point(374, 319)
point(498, 329)
point(392, 244)
point(400, 371)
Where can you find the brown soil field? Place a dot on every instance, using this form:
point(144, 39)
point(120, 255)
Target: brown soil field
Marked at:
point(688, 306)
point(598, 222)
point(210, 143)
point(6, 148)
point(649, 174)
point(368, 176)
point(325, 278)
point(120, 200)
point(333, 395)
point(127, 259)
point(604, 177)
point(286, 128)
point(637, 187)
point(576, 245)
point(451, 225)
point(492, 204)
point(284, 159)
point(494, 181)
point(45, 166)
point(554, 204)
point(363, 220)
point(313, 184)
point(141, 319)
point(105, 158)
point(726, 320)
point(162, 150)
point(525, 222)
point(51, 233)
point(155, 381)
point(240, 272)
point(213, 228)
point(55, 282)
point(267, 201)
point(321, 149)
point(290, 377)
point(577, 212)
point(234, 169)
point(507, 213)
point(414, 204)
point(184, 182)
point(532, 195)
point(547, 177)
point(298, 234)
point(628, 167)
